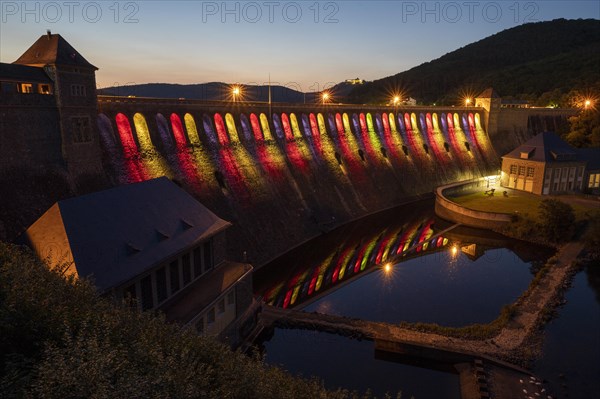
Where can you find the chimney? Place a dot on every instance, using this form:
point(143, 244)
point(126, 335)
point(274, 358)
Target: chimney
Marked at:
point(49, 33)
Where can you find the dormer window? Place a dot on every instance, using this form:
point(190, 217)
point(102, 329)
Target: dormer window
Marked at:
point(25, 88)
point(44, 89)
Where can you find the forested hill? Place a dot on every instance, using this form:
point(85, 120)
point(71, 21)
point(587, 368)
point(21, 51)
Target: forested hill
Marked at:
point(541, 61)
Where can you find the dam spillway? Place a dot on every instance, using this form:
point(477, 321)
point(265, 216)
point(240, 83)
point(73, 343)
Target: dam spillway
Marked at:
point(283, 174)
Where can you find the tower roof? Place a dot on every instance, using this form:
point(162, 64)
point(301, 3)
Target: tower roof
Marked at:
point(488, 93)
point(52, 49)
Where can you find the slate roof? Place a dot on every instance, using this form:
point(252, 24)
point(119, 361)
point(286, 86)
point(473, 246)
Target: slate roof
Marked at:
point(591, 156)
point(117, 234)
point(488, 93)
point(23, 73)
point(52, 49)
point(544, 147)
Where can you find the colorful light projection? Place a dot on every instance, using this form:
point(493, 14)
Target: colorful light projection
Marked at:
point(353, 258)
point(178, 132)
point(126, 136)
point(246, 130)
point(135, 171)
point(231, 128)
point(221, 131)
point(190, 126)
point(455, 139)
point(163, 131)
point(264, 123)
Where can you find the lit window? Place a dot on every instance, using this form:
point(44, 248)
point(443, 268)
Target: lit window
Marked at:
point(530, 172)
point(44, 89)
point(513, 169)
point(26, 88)
point(521, 170)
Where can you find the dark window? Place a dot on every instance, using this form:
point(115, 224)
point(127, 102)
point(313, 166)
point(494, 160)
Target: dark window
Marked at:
point(78, 90)
point(187, 269)
point(221, 306)
point(231, 297)
point(207, 255)
point(211, 316)
point(174, 273)
point(81, 130)
point(146, 291)
point(197, 262)
point(200, 325)
point(129, 292)
point(161, 284)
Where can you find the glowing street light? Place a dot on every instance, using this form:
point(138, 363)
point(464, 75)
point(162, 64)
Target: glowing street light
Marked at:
point(467, 101)
point(454, 250)
point(325, 97)
point(588, 103)
point(396, 100)
point(235, 92)
point(387, 268)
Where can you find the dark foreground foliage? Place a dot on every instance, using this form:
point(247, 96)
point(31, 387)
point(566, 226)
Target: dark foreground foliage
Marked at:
point(59, 340)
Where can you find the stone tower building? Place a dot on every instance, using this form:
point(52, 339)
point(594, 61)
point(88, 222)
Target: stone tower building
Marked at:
point(58, 81)
point(491, 102)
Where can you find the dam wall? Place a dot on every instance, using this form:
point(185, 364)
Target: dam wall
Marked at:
point(284, 173)
point(281, 173)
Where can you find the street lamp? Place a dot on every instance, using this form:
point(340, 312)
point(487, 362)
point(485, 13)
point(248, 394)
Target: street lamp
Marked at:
point(587, 104)
point(325, 97)
point(235, 92)
point(396, 100)
point(467, 101)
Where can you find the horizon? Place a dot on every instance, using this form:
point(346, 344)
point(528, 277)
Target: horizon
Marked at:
point(305, 46)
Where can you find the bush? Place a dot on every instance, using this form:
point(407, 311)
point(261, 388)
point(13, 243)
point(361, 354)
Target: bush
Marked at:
point(558, 220)
point(58, 339)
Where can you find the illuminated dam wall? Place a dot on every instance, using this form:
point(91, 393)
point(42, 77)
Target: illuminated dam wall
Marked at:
point(285, 173)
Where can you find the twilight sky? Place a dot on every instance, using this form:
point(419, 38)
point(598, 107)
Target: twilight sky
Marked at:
point(307, 45)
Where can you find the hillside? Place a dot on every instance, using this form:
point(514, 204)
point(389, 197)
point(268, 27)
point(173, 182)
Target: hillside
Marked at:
point(546, 59)
point(218, 91)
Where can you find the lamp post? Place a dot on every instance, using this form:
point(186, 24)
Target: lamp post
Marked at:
point(467, 102)
point(587, 104)
point(235, 92)
point(325, 97)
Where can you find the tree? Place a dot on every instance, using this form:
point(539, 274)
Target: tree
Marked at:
point(58, 339)
point(585, 129)
point(558, 220)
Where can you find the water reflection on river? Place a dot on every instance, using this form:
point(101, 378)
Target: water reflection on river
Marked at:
point(571, 359)
point(400, 265)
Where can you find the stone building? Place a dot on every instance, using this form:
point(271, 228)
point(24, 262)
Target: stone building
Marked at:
point(545, 164)
point(155, 243)
point(49, 109)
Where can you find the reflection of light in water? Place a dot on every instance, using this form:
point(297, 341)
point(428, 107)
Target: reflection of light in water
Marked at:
point(387, 268)
point(326, 307)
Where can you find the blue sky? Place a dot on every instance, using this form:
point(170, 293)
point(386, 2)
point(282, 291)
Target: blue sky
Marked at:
point(307, 45)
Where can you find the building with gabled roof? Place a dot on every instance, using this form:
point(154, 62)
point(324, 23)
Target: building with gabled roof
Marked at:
point(544, 164)
point(60, 84)
point(151, 241)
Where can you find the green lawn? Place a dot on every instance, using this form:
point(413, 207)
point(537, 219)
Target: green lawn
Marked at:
point(523, 203)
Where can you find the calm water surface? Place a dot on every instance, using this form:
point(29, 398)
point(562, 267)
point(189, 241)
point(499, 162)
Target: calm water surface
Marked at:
point(401, 265)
